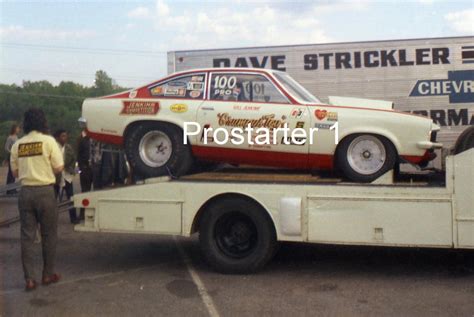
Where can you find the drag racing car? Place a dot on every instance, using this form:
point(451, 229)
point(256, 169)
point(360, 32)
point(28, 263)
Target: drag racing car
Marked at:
point(255, 117)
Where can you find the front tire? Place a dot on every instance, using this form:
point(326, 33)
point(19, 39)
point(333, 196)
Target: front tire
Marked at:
point(237, 236)
point(156, 149)
point(365, 157)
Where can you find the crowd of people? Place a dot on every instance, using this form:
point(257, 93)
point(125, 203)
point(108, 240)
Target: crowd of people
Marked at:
point(46, 167)
point(98, 165)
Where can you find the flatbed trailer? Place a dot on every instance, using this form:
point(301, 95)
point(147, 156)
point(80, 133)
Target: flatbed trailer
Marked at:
point(240, 216)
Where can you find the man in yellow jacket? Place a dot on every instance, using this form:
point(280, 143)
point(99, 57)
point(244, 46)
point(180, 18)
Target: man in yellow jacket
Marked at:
point(35, 159)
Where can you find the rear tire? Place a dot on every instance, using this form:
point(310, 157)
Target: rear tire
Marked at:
point(237, 236)
point(365, 157)
point(156, 149)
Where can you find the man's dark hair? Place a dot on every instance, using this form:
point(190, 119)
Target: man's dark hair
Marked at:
point(58, 133)
point(13, 129)
point(35, 120)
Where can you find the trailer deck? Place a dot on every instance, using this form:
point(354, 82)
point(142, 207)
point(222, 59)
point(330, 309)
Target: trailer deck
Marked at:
point(254, 175)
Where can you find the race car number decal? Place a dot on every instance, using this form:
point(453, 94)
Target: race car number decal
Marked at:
point(224, 82)
point(223, 85)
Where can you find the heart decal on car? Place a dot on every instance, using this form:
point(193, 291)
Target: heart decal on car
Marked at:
point(320, 114)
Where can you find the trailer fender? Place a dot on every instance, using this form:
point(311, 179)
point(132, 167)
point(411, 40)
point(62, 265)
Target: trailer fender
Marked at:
point(197, 218)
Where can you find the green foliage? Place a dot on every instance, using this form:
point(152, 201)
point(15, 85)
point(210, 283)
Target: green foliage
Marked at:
point(61, 103)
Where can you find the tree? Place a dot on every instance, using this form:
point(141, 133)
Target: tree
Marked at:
point(61, 103)
point(104, 84)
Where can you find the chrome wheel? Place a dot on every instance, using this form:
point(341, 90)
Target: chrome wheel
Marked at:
point(155, 148)
point(366, 154)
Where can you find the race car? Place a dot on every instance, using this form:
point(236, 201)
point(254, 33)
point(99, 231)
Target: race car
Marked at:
point(168, 125)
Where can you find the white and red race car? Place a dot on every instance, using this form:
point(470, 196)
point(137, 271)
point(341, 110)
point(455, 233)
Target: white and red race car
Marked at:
point(169, 124)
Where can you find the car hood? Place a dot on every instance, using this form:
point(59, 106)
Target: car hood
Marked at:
point(360, 103)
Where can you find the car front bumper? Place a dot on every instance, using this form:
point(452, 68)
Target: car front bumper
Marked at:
point(428, 145)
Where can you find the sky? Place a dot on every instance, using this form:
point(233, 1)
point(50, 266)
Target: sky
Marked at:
point(70, 40)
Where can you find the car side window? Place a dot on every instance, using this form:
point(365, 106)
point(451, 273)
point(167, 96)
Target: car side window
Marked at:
point(244, 87)
point(191, 87)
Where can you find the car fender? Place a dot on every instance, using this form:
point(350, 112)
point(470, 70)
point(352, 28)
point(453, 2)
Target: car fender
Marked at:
point(166, 119)
point(373, 130)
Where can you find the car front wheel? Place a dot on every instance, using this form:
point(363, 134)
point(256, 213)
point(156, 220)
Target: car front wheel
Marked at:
point(365, 157)
point(156, 149)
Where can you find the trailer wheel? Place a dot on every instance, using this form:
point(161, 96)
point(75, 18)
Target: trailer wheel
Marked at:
point(156, 149)
point(465, 141)
point(236, 236)
point(365, 157)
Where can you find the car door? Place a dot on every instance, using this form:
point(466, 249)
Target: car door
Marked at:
point(236, 100)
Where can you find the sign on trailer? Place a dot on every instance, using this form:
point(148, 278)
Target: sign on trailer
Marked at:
point(432, 77)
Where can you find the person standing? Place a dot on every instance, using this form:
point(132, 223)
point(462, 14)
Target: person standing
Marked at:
point(84, 162)
point(11, 139)
point(64, 180)
point(35, 159)
point(96, 151)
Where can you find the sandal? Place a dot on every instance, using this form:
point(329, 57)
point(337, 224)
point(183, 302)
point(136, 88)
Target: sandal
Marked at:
point(53, 278)
point(30, 285)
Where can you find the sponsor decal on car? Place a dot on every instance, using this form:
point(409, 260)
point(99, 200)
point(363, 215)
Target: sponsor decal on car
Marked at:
point(323, 125)
point(293, 141)
point(156, 91)
point(246, 108)
point(332, 116)
point(175, 91)
point(194, 94)
point(320, 114)
point(140, 108)
point(297, 113)
point(195, 86)
point(181, 84)
point(179, 108)
point(265, 121)
point(132, 94)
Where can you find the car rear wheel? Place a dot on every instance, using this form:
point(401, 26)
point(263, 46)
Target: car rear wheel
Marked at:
point(156, 149)
point(365, 157)
point(236, 236)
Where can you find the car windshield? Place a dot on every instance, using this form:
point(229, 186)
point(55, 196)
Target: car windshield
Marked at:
point(294, 88)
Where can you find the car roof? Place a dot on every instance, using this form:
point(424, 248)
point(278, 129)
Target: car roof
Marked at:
point(233, 69)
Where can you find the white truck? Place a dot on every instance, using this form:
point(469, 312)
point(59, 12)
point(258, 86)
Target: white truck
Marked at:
point(240, 217)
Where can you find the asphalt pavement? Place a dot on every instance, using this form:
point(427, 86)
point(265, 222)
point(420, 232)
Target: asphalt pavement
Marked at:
point(149, 275)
